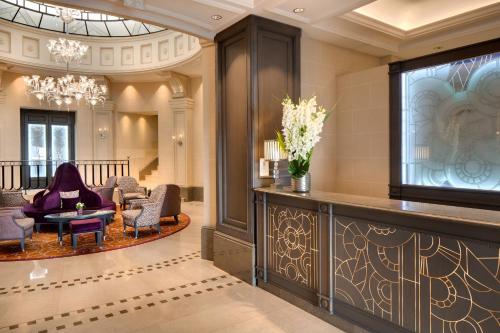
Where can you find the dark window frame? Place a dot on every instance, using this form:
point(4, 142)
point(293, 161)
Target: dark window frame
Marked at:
point(441, 195)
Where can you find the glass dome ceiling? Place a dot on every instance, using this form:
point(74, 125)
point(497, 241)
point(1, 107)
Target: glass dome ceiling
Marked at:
point(44, 16)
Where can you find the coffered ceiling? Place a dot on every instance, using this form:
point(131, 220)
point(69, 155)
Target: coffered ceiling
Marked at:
point(403, 28)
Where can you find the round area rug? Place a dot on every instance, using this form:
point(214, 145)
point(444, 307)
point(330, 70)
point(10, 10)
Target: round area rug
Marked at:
point(45, 245)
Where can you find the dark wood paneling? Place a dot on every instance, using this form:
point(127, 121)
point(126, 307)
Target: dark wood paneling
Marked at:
point(235, 134)
point(450, 196)
point(258, 64)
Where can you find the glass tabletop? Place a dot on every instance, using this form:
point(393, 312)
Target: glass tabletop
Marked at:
point(73, 215)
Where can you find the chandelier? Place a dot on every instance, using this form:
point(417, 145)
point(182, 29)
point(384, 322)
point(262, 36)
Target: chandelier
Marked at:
point(67, 50)
point(69, 88)
point(65, 89)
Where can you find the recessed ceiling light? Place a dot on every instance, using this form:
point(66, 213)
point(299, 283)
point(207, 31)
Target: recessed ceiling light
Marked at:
point(216, 17)
point(299, 10)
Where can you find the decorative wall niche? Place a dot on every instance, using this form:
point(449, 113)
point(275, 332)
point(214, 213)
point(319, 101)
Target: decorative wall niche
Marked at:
point(146, 53)
point(31, 47)
point(192, 42)
point(107, 56)
point(4, 41)
point(163, 50)
point(87, 59)
point(127, 55)
point(179, 45)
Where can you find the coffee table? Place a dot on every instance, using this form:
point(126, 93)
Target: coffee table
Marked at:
point(64, 218)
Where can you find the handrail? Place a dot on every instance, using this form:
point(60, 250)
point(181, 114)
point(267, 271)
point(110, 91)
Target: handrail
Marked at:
point(37, 174)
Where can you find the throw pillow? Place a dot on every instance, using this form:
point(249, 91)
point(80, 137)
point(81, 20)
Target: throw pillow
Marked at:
point(70, 194)
point(69, 199)
point(69, 203)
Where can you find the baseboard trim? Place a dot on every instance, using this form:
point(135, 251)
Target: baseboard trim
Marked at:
point(235, 256)
point(192, 193)
point(334, 320)
point(207, 242)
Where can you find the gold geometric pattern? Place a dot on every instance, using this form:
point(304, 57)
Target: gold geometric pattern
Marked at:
point(424, 283)
point(292, 244)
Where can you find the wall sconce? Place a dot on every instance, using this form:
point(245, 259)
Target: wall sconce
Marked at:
point(178, 139)
point(103, 132)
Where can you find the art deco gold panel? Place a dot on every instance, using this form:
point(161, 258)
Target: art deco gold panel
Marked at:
point(292, 243)
point(422, 282)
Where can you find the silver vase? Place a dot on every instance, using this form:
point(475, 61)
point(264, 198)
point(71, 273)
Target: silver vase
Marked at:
point(302, 184)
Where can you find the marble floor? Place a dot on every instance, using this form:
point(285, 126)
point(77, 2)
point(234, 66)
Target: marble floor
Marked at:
point(162, 286)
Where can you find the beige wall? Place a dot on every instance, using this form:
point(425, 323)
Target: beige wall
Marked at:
point(15, 98)
point(150, 97)
point(321, 64)
point(137, 138)
point(155, 97)
point(363, 132)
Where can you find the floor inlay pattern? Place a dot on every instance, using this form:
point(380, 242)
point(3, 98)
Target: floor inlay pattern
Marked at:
point(61, 321)
point(28, 288)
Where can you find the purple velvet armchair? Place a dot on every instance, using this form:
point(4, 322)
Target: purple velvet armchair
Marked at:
point(66, 179)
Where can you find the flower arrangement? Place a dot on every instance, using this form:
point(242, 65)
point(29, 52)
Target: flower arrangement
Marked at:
point(302, 126)
point(79, 207)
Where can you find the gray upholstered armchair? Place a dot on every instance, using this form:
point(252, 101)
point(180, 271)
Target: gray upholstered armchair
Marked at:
point(12, 199)
point(145, 212)
point(172, 203)
point(15, 225)
point(129, 189)
point(106, 191)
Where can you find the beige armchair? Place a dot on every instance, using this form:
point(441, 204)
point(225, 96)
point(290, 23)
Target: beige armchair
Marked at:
point(129, 189)
point(14, 225)
point(106, 191)
point(12, 199)
point(145, 212)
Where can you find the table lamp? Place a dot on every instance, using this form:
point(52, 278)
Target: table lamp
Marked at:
point(273, 153)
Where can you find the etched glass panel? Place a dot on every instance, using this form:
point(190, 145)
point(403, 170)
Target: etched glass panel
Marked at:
point(451, 124)
point(60, 146)
point(37, 150)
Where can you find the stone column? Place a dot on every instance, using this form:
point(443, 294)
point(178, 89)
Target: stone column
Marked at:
point(182, 112)
point(209, 149)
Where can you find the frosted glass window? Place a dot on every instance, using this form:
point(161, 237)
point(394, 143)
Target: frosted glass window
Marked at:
point(451, 124)
point(59, 145)
point(37, 150)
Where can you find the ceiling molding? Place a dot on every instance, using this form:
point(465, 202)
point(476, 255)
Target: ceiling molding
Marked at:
point(221, 5)
point(461, 19)
point(372, 23)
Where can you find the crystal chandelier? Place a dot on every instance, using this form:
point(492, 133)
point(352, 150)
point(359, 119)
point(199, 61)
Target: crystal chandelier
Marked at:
point(66, 89)
point(67, 50)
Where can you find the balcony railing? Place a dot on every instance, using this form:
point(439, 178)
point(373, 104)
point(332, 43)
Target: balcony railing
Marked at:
point(26, 175)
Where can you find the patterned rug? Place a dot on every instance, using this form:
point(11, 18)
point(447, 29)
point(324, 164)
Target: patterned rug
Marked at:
point(45, 245)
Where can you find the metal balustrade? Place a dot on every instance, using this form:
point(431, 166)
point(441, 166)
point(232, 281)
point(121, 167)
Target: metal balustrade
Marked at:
point(37, 174)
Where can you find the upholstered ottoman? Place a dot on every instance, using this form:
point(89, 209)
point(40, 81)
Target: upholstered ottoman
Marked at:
point(78, 227)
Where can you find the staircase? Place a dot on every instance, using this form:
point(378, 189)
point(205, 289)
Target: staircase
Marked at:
point(149, 175)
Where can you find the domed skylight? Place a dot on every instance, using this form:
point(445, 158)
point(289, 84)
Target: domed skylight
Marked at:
point(44, 16)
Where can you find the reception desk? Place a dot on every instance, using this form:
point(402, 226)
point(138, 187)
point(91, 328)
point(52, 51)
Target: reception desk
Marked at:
point(385, 265)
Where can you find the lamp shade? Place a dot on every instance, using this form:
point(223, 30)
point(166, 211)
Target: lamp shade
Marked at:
point(272, 151)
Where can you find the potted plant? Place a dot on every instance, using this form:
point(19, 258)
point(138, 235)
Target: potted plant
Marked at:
point(302, 126)
point(79, 208)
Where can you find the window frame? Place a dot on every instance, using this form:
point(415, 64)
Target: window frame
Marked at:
point(482, 199)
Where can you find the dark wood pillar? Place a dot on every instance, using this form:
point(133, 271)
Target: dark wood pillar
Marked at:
point(258, 63)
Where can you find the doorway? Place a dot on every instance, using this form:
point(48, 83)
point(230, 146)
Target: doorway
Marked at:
point(47, 139)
